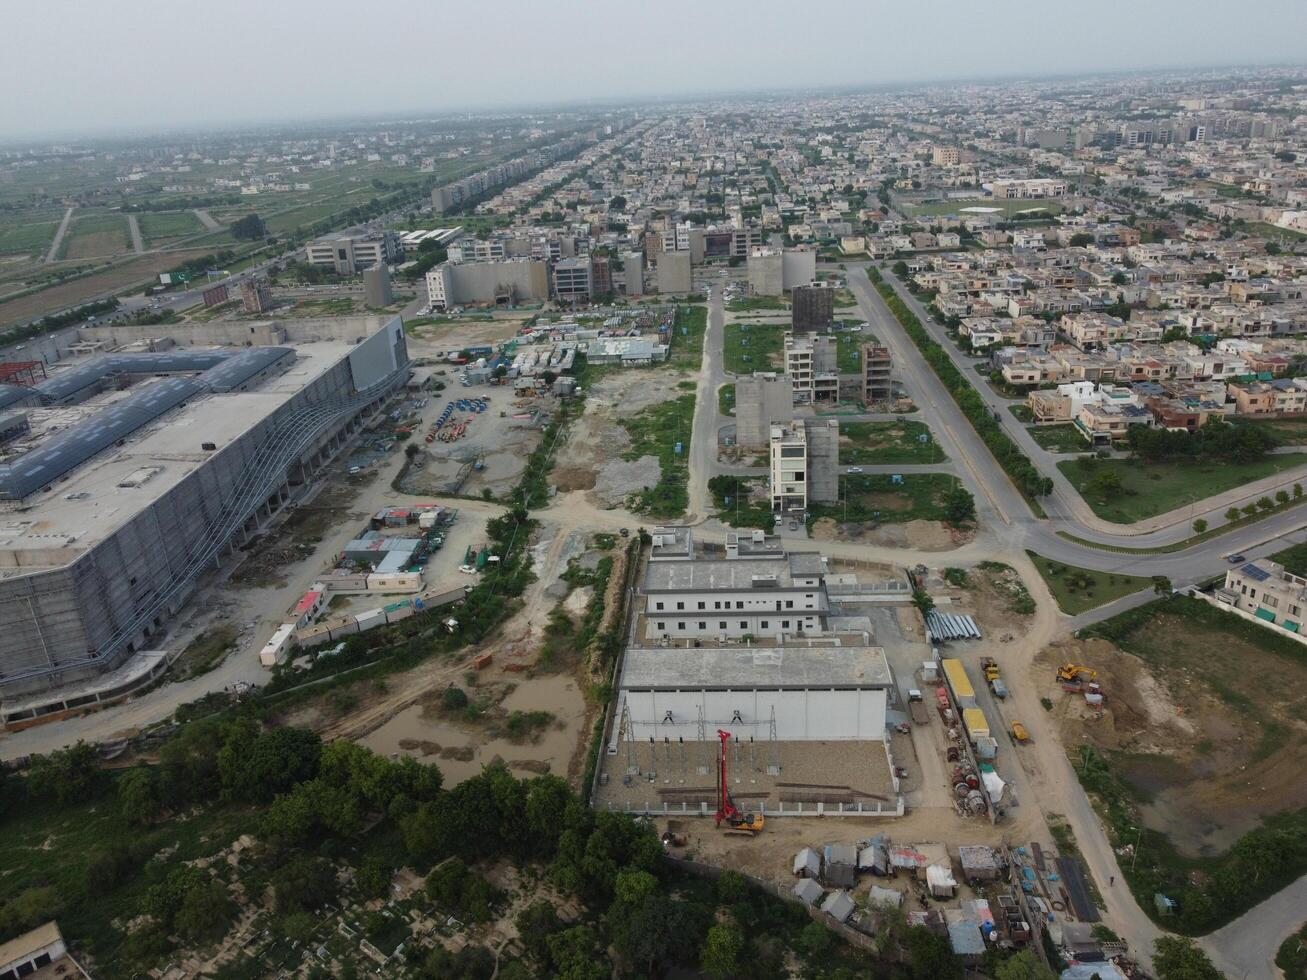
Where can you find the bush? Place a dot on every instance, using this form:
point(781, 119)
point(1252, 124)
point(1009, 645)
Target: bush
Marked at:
point(454, 698)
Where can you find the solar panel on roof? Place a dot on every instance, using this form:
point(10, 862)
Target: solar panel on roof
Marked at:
point(1255, 572)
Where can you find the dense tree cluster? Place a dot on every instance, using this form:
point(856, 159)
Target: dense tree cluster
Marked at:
point(1216, 440)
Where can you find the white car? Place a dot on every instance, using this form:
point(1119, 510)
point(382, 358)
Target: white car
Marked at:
point(854, 469)
point(467, 569)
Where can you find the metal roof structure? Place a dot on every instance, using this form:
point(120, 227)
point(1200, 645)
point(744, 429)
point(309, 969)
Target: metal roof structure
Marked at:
point(1254, 572)
point(17, 395)
point(223, 371)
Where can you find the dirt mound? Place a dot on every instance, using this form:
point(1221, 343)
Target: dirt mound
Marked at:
point(918, 535)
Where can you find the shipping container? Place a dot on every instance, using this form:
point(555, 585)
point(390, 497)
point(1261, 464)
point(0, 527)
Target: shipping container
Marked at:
point(976, 724)
point(956, 675)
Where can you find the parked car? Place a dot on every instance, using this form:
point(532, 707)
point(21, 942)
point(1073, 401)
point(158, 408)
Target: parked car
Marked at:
point(1235, 559)
point(854, 469)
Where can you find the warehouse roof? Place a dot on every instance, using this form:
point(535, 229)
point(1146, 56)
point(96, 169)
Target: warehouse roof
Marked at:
point(750, 668)
point(729, 574)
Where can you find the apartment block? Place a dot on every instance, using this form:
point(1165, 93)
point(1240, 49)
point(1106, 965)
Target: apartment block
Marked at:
point(506, 283)
point(812, 365)
point(877, 367)
point(674, 273)
point(573, 280)
point(353, 250)
point(804, 458)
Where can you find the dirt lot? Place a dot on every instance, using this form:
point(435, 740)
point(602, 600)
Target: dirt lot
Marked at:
point(918, 535)
point(1211, 742)
point(590, 459)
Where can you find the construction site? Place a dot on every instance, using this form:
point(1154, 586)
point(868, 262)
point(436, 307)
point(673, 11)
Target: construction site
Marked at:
point(144, 465)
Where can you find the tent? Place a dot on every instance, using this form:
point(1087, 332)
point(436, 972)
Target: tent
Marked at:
point(808, 891)
point(839, 905)
point(940, 880)
point(807, 863)
point(884, 897)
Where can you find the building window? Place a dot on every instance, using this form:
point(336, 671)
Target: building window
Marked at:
point(743, 625)
point(661, 626)
point(680, 626)
point(739, 605)
point(785, 624)
point(658, 605)
point(721, 625)
point(703, 625)
point(680, 605)
point(764, 624)
point(789, 603)
point(703, 605)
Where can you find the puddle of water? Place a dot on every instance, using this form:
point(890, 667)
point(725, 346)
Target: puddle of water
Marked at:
point(558, 695)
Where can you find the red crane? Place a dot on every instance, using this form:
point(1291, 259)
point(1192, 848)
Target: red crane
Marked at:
point(726, 809)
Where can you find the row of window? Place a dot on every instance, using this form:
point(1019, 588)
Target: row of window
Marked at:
point(744, 625)
point(1268, 600)
point(739, 604)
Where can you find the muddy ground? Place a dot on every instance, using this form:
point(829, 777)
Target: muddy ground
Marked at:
point(1209, 735)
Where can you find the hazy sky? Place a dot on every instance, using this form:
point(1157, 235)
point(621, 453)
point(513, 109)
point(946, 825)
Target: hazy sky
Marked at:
point(87, 66)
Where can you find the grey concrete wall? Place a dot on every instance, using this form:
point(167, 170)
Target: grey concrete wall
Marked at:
point(823, 460)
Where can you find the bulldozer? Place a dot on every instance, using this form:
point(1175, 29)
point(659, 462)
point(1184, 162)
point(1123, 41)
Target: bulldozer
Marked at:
point(744, 823)
point(1074, 673)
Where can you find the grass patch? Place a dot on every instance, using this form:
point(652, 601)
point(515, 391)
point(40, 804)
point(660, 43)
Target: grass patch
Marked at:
point(158, 226)
point(888, 442)
point(745, 303)
point(1292, 956)
point(94, 235)
point(735, 504)
point(750, 347)
point(1059, 438)
point(1210, 890)
point(1022, 413)
point(1289, 432)
point(1007, 582)
point(687, 337)
point(848, 351)
point(205, 652)
point(1293, 558)
point(874, 497)
point(1078, 590)
point(726, 399)
point(337, 306)
point(35, 237)
point(656, 431)
point(1148, 489)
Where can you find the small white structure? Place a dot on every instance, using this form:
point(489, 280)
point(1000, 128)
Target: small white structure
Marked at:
point(884, 898)
point(277, 648)
point(807, 863)
point(808, 891)
point(940, 880)
point(839, 905)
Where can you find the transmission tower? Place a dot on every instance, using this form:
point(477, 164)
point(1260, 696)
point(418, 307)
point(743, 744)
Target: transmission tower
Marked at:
point(773, 748)
point(626, 735)
point(703, 744)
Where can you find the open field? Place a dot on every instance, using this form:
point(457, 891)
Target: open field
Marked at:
point(1291, 432)
point(1059, 438)
point(96, 235)
point(687, 342)
point(746, 303)
point(876, 498)
point(1147, 489)
point(28, 237)
point(1006, 208)
point(726, 399)
point(1080, 589)
point(80, 290)
point(1201, 741)
point(161, 227)
point(753, 347)
point(888, 442)
point(663, 431)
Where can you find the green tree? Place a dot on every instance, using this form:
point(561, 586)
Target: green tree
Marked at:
point(573, 955)
point(248, 229)
point(1023, 966)
point(618, 203)
point(1081, 239)
point(960, 506)
point(138, 795)
point(255, 766)
point(205, 913)
point(1200, 526)
point(930, 956)
point(303, 883)
point(1281, 497)
point(373, 877)
point(535, 924)
point(65, 775)
point(1232, 514)
point(1105, 483)
point(1265, 503)
point(1297, 490)
point(720, 954)
point(1180, 958)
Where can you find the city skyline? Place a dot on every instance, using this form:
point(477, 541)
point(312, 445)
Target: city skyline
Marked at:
point(189, 79)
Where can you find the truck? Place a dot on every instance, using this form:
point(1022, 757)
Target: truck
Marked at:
point(917, 708)
point(992, 677)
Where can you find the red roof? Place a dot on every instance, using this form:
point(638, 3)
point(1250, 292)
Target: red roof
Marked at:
point(308, 602)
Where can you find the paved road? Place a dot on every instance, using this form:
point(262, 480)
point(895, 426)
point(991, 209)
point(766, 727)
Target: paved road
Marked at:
point(134, 226)
point(703, 442)
point(59, 236)
point(1247, 946)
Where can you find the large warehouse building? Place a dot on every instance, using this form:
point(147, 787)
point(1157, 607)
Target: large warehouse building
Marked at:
point(141, 470)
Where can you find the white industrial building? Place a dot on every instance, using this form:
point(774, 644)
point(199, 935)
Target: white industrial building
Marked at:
point(816, 691)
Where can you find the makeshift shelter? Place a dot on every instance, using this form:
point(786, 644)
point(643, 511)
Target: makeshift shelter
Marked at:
point(807, 863)
point(808, 891)
point(874, 858)
point(839, 905)
point(884, 897)
point(966, 939)
point(979, 863)
point(940, 881)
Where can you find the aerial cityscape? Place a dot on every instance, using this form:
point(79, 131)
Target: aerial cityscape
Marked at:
point(826, 517)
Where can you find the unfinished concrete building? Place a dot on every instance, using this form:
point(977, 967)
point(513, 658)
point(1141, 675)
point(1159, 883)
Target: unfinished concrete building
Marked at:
point(804, 457)
point(766, 272)
point(814, 307)
point(148, 470)
point(761, 400)
point(674, 273)
point(877, 366)
point(812, 362)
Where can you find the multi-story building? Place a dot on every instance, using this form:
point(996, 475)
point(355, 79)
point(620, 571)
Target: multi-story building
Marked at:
point(811, 362)
point(766, 272)
point(945, 156)
point(124, 510)
point(877, 366)
point(506, 283)
point(601, 276)
point(1267, 590)
point(376, 287)
point(354, 249)
point(814, 307)
point(804, 457)
point(633, 273)
point(255, 296)
point(674, 276)
point(761, 400)
point(573, 280)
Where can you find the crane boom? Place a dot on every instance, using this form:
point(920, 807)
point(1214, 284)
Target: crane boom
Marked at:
point(726, 808)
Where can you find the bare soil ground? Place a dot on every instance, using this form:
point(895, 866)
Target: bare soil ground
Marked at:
point(591, 457)
point(917, 535)
point(1211, 740)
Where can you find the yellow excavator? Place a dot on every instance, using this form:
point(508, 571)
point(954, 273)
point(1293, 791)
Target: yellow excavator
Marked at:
point(1074, 673)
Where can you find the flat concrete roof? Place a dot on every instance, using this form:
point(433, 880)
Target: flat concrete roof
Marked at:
point(706, 574)
point(750, 668)
point(64, 523)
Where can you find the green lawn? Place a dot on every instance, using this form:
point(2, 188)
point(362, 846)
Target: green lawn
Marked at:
point(279, 224)
point(1022, 412)
point(687, 340)
point(95, 235)
point(1078, 590)
point(1292, 957)
point(746, 303)
point(1155, 488)
point(875, 497)
point(656, 431)
point(848, 351)
point(1059, 438)
point(726, 399)
point(18, 238)
point(157, 226)
point(1290, 432)
point(1008, 208)
point(737, 504)
point(753, 347)
point(888, 442)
